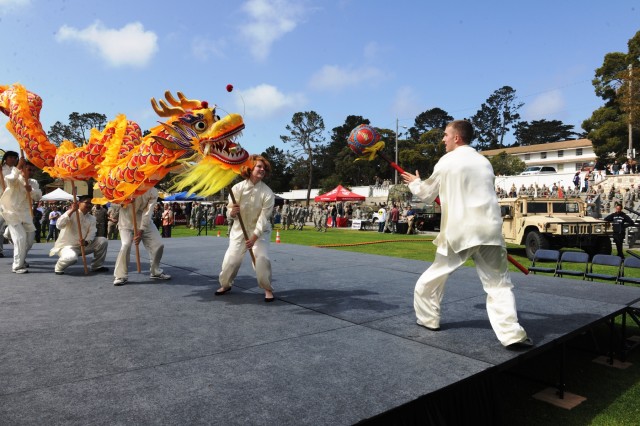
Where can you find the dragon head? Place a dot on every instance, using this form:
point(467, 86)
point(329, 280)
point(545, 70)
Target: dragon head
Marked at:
point(196, 128)
point(210, 142)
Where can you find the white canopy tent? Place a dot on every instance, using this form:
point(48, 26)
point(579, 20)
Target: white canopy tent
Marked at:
point(57, 195)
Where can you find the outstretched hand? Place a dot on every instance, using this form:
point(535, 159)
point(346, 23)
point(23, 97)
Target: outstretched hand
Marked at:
point(408, 177)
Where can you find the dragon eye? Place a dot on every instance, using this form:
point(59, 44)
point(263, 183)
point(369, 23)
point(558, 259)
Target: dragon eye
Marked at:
point(200, 126)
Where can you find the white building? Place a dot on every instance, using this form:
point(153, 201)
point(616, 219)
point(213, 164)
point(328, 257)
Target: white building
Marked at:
point(565, 156)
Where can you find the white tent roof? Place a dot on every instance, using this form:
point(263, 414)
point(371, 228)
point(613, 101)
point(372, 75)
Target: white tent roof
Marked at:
point(57, 195)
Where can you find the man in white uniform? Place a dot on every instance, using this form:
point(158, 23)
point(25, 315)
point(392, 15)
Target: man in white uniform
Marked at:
point(67, 245)
point(471, 227)
point(147, 233)
point(16, 205)
point(9, 160)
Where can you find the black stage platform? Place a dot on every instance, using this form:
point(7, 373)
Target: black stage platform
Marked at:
point(339, 346)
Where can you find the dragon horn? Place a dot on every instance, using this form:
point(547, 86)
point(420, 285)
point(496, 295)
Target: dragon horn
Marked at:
point(164, 110)
point(184, 102)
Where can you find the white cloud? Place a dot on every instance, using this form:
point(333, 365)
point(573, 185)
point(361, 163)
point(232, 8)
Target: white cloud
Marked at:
point(333, 77)
point(203, 48)
point(129, 46)
point(545, 105)
point(12, 3)
point(265, 101)
point(406, 103)
point(269, 20)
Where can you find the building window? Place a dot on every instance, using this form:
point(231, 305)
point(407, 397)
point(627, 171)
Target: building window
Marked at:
point(560, 154)
point(578, 166)
point(560, 167)
point(578, 151)
point(527, 157)
point(543, 155)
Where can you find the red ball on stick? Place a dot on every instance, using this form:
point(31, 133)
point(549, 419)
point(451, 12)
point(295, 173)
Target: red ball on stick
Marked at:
point(362, 137)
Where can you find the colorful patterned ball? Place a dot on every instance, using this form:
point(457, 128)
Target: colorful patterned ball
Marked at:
point(362, 137)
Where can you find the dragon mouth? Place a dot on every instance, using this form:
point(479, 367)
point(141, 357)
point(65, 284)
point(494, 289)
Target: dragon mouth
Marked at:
point(223, 146)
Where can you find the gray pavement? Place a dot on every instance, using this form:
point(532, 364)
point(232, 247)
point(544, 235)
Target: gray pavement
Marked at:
point(338, 346)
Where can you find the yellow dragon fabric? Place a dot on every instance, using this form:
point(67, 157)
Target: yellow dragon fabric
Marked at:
point(125, 164)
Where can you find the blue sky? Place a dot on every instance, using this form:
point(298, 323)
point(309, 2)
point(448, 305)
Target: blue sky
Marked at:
point(381, 60)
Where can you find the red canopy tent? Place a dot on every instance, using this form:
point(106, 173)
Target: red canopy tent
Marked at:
point(340, 193)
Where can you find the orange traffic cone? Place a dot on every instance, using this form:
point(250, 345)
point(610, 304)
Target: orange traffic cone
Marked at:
point(218, 233)
point(277, 237)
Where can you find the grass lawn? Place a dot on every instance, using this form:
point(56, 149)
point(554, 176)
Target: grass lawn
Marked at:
point(613, 395)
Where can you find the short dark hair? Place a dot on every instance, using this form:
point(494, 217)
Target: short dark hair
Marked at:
point(84, 198)
point(464, 129)
point(9, 154)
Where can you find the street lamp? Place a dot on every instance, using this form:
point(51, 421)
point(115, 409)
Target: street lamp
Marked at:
point(404, 127)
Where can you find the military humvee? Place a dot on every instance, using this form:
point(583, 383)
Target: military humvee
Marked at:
point(543, 223)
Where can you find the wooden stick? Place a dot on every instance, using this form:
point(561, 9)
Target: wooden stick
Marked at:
point(135, 232)
point(244, 230)
point(28, 193)
point(84, 256)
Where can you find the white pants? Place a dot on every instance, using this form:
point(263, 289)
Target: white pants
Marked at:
point(491, 264)
point(69, 254)
point(2, 228)
point(22, 243)
point(233, 260)
point(152, 242)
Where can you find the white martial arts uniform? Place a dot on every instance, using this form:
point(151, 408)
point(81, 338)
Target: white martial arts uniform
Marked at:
point(67, 246)
point(256, 207)
point(5, 171)
point(150, 236)
point(471, 227)
point(16, 211)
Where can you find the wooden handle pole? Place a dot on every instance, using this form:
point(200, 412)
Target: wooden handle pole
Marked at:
point(135, 232)
point(244, 230)
point(84, 256)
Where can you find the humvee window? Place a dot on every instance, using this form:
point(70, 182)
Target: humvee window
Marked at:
point(537, 207)
point(565, 208)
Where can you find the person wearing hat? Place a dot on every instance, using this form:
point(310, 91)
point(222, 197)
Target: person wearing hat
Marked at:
point(9, 160)
point(67, 245)
point(16, 205)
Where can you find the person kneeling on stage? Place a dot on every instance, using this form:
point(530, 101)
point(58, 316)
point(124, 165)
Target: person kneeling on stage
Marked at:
point(67, 245)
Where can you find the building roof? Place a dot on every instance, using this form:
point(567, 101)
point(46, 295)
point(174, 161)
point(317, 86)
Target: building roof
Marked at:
point(550, 146)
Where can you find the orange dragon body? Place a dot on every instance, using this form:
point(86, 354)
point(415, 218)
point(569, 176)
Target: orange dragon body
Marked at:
point(123, 162)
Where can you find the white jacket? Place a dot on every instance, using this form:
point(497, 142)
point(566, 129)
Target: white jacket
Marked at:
point(14, 202)
point(256, 207)
point(68, 226)
point(464, 180)
point(144, 211)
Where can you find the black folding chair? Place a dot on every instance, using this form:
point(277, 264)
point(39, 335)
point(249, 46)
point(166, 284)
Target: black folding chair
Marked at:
point(574, 263)
point(545, 261)
point(629, 264)
point(608, 267)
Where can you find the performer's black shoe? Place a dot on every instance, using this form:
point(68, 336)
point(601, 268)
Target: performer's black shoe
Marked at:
point(527, 343)
point(269, 299)
point(59, 273)
point(428, 328)
point(101, 269)
point(223, 291)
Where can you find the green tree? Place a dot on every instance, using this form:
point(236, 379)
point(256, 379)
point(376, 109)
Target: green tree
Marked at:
point(79, 128)
point(506, 165)
point(607, 128)
point(434, 118)
point(424, 154)
point(542, 131)
point(496, 117)
point(280, 176)
point(305, 134)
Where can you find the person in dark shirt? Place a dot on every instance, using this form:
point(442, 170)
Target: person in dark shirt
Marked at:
point(620, 222)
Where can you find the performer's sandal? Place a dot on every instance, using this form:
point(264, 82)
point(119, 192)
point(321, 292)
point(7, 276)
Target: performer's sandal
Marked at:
point(223, 291)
